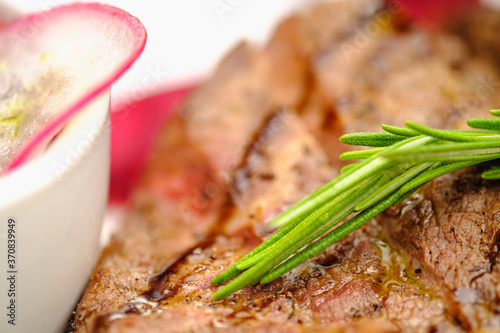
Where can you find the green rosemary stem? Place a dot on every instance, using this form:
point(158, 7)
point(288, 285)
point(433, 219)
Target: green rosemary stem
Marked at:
point(359, 154)
point(449, 152)
point(446, 135)
point(331, 238)
point(406, 159)
point(425, 177)
point(393, 185)
point(335, 209)
point(346, 180)
point(350, 167)
point(232, 272)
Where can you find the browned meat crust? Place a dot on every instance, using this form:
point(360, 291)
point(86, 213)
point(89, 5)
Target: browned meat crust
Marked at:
point(451, 235)
point(171, 213)
point(236, 157)
point(358, 278)
point(480, 31)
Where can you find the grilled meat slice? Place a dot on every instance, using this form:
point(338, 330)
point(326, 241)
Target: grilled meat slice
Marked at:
point(480, 31)
point(364, 70)
point(231, 162)
point(440, 80)
point(450, 234)
point(431, 78)
point(171, 213)
point(251, 83)
point(359, 278)
point(248, 85)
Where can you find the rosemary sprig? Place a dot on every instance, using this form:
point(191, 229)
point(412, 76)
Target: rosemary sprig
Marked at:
point(403, 161)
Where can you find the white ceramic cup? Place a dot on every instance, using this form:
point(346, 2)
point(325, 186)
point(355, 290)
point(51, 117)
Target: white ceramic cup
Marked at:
point(51, 211)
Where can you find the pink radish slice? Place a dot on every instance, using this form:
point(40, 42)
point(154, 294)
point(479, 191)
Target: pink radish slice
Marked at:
point(55, 62)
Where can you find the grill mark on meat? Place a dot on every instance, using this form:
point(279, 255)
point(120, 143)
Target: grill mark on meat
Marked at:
point(159, 289)
point(151, 299)
point(272, 123)
point(289, 164)
point(159, 292)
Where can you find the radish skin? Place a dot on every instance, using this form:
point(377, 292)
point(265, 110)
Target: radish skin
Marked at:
point(55, 62)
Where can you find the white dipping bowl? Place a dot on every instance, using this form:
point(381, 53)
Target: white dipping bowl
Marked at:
point(56, 205)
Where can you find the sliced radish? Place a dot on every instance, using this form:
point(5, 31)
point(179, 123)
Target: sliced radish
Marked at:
point(52, 64)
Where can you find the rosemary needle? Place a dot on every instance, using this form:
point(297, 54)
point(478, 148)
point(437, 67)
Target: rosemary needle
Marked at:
point(359, 154)
point(400, 130)
point(485, 123)
point(331, 238)
point(404, 160)
point(371, 139)
point(333, 211)
point(492, 174)
point(347, 179)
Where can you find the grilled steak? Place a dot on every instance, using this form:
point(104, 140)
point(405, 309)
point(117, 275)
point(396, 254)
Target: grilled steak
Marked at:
point(257, 137)
point(359, 277)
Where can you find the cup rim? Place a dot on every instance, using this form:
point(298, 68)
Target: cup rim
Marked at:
point(26, 180)
point(53, 164)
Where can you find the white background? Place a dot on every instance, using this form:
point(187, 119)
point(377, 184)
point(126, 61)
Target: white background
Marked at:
point(186, 37)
